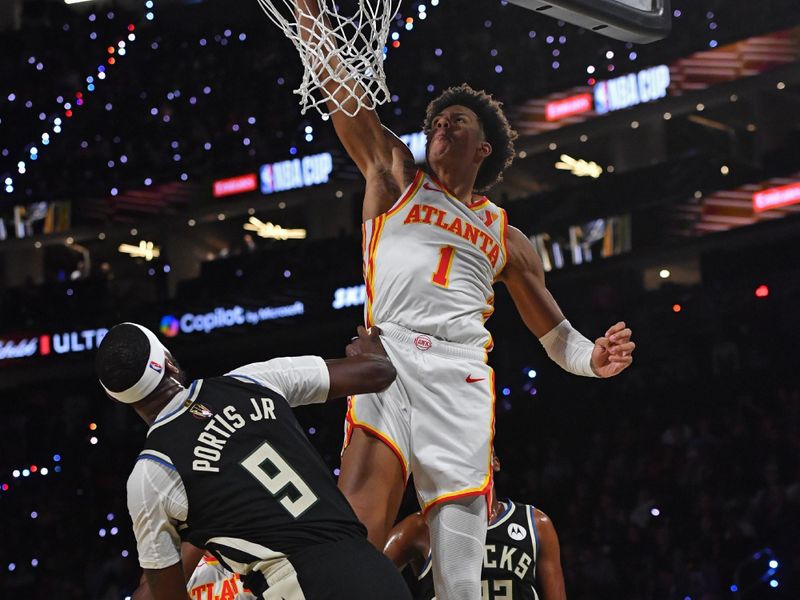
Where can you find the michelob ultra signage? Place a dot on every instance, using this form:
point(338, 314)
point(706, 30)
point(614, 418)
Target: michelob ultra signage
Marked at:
point(296, 173)
point(631, 90)
point(68, 342)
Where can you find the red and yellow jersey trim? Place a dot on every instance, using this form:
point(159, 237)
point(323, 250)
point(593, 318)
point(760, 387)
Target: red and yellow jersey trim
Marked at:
point(489, 345)
point(410, 193)
point(478, 203)
point(503, 242)
point(371, 232)
point(486, 486)
point(352, 423)
point(369, 264)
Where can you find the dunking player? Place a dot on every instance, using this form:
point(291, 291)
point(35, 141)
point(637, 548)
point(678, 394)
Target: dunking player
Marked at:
point(521, 555)
point(227, 467)
point(433, 248)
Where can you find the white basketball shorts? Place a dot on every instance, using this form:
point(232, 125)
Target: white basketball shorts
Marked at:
point(437, 416)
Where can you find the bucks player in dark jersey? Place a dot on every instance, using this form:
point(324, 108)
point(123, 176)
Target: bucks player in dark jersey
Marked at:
point(521, 557)
point(227, 467)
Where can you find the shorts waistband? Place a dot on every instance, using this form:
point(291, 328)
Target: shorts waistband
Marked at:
point(427, 343)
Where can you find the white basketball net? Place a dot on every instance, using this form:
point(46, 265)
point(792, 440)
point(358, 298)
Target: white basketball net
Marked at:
point(342, 55)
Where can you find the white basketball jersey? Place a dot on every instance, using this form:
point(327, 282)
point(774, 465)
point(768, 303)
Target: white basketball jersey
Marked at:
point(430, 263)
point(210, 581)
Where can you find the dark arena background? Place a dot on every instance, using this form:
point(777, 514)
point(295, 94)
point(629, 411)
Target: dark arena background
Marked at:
point(154, 167)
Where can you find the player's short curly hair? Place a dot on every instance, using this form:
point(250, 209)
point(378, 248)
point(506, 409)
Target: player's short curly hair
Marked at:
point(495, 125)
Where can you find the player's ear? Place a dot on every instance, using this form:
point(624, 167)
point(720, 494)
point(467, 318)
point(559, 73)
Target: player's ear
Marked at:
point(484, 149)
point(172, 368)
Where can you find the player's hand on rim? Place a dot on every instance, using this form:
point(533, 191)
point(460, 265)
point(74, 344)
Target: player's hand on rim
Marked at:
point(368, 341)
point(613, 352)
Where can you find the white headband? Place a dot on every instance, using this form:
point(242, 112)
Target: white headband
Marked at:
point(153, 371)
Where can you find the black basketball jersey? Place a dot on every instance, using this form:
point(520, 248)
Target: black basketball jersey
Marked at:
point(509, 558)
point(257, 489)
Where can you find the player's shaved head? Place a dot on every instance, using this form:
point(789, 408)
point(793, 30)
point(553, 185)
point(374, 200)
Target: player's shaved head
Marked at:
point(122, 356)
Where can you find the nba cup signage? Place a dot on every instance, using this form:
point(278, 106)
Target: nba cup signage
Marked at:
point(296, 173)
point(631, 90)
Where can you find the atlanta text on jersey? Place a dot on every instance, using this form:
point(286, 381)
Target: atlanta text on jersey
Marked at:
point(425, 213)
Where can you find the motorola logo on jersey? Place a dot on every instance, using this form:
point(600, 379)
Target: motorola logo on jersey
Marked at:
point(517, 532)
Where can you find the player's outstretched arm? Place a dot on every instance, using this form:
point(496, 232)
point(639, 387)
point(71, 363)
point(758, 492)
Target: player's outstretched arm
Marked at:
point(167, 584)
point(190, 556)
point(409, 543)
point(524, 278)
point(366, 369)
point(550, 577)
point(383, 159)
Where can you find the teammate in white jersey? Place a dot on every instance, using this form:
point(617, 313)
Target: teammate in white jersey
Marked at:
point(433, 248)
point(210, 580)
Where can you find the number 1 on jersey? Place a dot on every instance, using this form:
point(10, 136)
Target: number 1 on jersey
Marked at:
point(442, 275)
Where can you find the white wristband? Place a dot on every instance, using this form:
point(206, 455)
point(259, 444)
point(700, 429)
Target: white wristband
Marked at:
point(569, 349)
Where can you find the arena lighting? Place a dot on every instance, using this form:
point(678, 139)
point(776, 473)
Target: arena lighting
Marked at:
point(567, 107)
point(762, 291)
point(235, 185)
point(275, 232)
point(76, 1)
point(579, 167)
point(145, 250)
point(776, 197)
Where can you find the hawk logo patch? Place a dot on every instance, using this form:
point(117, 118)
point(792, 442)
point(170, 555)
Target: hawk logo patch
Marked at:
point(423, 342)
point(517, 532)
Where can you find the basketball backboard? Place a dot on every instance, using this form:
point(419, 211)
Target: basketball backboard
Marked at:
point(640, 21)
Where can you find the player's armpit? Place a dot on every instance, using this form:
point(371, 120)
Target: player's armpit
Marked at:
point(167, 584)
point(548, 562)
point(524, 278)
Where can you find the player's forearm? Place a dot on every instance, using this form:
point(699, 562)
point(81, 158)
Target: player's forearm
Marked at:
point(167, 584)
point(569, 349)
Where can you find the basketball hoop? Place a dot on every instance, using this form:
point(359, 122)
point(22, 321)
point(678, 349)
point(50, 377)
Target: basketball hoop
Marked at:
point(342, 55)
